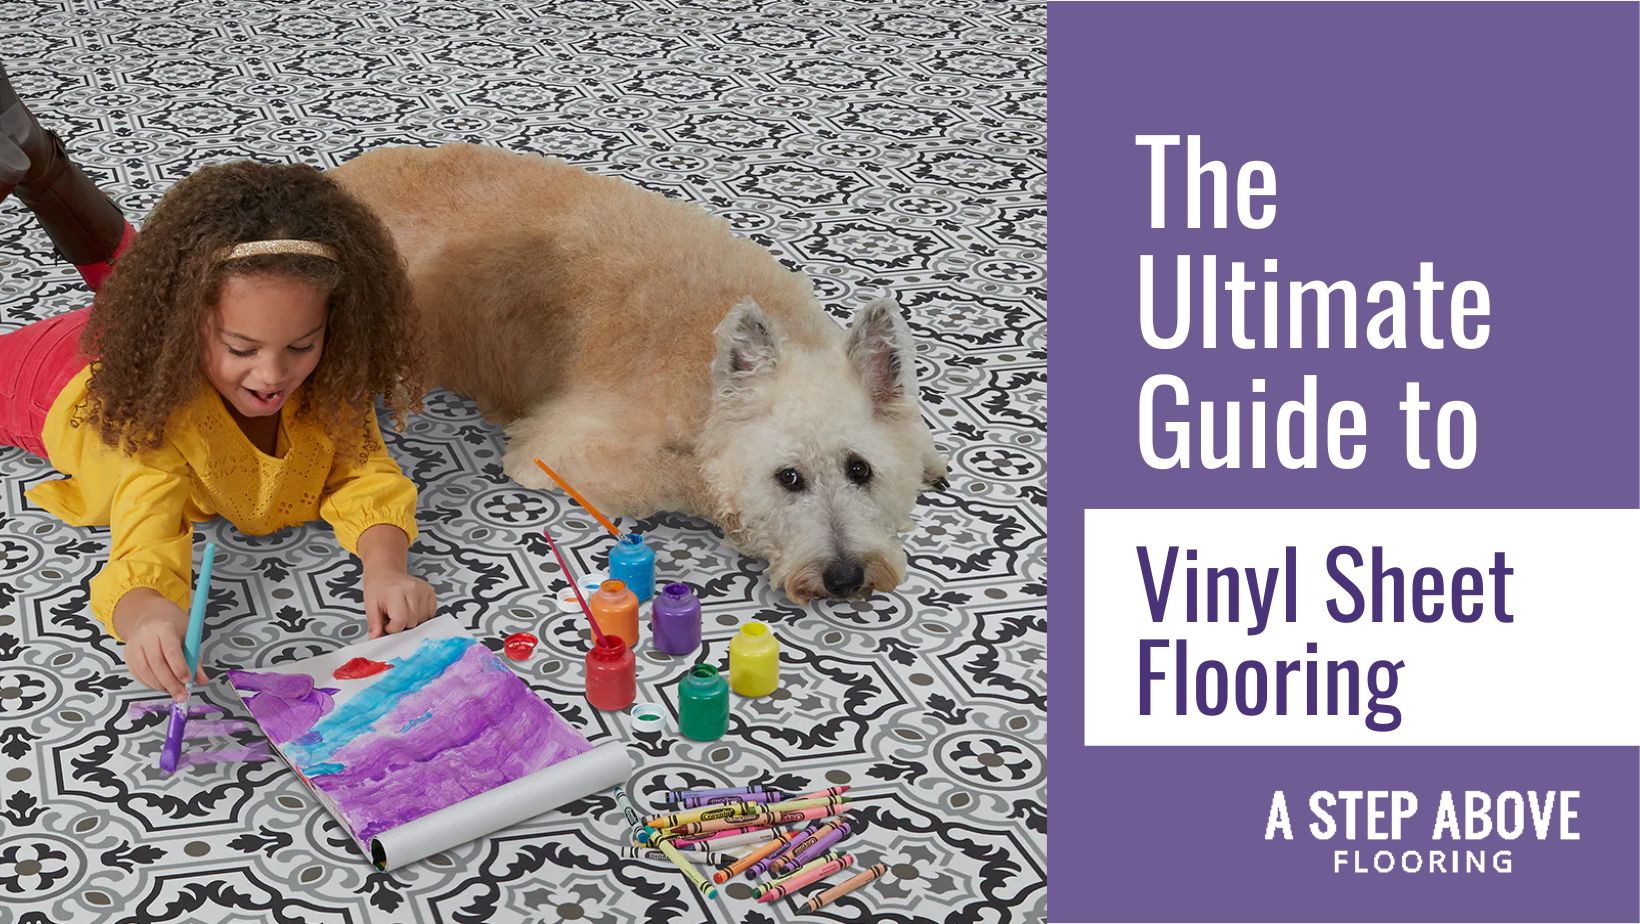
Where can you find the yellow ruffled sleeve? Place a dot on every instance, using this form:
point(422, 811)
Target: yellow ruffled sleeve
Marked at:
point(151, 538)
point(366, 488)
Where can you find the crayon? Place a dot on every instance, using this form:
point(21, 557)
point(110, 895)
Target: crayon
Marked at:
point(725, 873)
point(741, 821)
point(773, 795)
point(628, 810)
point(708, 813)
point(789, 886)
point(756, 869)
point(739, 810)
point(655, 853)
point(813, 864)
point(736, 839)
point(814, 840)
point(792, 805)
point(678, 795)
point(701, 882)
point(827, 839)
point(802, 837)
point(843, 888)
point(689, 849)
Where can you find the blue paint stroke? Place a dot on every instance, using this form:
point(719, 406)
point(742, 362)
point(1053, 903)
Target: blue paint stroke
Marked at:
point(415, 721)
point(354, 718)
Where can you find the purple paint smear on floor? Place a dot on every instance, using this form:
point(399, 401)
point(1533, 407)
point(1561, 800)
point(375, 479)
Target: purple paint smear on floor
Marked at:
point(256, 750)
point(164, 705)
point(484, 728)
point(211, 728)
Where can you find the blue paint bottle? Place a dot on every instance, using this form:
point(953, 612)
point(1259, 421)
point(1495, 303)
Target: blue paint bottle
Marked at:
point(632, 561)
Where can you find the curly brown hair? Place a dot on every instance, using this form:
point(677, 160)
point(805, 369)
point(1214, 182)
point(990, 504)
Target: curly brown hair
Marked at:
point(148, 321)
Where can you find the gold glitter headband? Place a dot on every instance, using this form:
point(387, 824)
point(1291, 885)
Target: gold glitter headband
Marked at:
point(263, 248)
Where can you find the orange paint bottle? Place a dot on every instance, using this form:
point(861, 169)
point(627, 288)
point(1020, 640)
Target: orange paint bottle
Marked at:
point(616, 610)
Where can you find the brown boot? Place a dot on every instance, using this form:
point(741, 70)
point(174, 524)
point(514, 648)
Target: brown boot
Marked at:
point(84, 224)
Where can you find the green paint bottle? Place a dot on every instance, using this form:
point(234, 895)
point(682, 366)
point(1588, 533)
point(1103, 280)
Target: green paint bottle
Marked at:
point(703, 704)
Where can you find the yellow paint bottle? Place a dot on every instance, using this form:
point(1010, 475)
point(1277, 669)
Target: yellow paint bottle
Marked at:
point(754, 660)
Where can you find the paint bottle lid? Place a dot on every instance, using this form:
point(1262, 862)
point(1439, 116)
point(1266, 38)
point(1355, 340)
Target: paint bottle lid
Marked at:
point(648, 717)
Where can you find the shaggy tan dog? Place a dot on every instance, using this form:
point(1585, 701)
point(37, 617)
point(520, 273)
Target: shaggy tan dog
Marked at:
point(658, 362)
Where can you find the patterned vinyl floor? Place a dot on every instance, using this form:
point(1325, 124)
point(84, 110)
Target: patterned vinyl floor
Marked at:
point(889, 145)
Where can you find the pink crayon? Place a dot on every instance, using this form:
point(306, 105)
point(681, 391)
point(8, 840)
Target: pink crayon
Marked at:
point(787, 887)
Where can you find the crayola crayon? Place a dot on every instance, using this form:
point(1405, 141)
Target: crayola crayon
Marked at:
point(741, 809)
point(628, 810)
point(827, 839)
point(773, 795)
point(843, 888)
point(789, 886)
point(813, 864)
point(728, 837)
point(701, 882)
point(756, 869)
point(725, 873)
point(678, 795)
point(712, 858)
point(787, 860)
point(774, 818)
point(709, 813)
point(812, 802)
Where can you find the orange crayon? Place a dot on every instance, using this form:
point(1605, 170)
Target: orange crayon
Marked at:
point(789, 886)
point(725, 873)
point(843, 888)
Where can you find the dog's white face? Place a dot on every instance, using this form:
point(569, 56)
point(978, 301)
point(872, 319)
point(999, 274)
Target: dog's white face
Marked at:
point(815, 456)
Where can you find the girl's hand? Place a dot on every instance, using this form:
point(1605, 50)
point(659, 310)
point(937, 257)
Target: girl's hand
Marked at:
point(153, 628)
point(395, 601)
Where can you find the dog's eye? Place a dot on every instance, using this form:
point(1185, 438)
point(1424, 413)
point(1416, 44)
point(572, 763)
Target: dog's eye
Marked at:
point(790, 479)
point(859, 470)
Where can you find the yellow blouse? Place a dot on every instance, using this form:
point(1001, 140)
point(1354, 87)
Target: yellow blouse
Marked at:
point(207, 467)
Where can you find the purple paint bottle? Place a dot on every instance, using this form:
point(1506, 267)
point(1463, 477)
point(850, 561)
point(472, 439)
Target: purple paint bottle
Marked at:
point(674, 621)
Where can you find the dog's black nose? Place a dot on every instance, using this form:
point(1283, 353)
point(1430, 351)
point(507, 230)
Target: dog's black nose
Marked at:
point(844, 577)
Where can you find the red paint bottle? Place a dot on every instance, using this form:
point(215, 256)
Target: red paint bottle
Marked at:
point(612, 675)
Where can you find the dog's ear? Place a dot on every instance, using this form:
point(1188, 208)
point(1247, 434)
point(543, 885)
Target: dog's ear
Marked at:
point(881, 351)
point(748, 348)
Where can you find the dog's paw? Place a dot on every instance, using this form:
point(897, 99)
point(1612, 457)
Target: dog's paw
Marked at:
point(521, 467)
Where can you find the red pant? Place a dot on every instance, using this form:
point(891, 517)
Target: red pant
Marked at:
point(38, 359)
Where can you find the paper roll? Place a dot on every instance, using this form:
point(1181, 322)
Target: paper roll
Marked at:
point(542, 791)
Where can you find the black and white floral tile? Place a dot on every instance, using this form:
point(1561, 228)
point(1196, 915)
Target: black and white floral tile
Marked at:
point(894, 146)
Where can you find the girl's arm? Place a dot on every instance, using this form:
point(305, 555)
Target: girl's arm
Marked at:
point(393, 600)
point(140, 593)
point(372, 506)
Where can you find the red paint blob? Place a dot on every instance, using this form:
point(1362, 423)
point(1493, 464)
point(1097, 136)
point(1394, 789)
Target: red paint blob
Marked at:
point(360, 667)
point(520, 645)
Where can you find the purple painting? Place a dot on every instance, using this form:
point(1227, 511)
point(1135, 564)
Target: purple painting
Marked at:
point(446, 722)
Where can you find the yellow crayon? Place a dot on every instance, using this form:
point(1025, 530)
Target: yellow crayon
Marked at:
point(695, 876)
point(774, 818)
point(725, 810)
